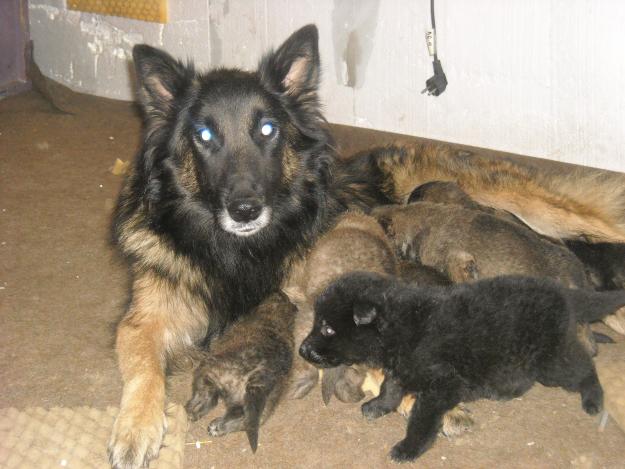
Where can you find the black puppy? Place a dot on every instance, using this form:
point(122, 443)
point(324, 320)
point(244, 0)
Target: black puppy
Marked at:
point(490, 339)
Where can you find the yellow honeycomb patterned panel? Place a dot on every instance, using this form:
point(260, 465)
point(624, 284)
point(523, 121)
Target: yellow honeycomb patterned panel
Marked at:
point(146, 10)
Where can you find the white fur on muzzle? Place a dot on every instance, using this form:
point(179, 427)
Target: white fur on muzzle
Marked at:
point(245, 228)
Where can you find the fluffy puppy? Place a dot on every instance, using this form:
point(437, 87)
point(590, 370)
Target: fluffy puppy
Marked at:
point(604, 263)
point(491, 339)
point(447, 192)
point(357, 242)
point(248, 369)
point(468, 244)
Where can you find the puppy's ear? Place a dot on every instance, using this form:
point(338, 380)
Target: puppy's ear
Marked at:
point(160, 78)
point(365, 313)
point(294, 70)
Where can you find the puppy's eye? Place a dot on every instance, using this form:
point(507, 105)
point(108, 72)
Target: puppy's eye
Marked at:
point(268, 128)
point(327, 331)
point(205, 134)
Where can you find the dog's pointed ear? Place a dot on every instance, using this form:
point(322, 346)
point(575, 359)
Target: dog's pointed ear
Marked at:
point(364, 313)
point(160, 78)
point(294, 69)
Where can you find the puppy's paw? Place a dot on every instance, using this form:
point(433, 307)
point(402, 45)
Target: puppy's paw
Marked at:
point(348, 392)
point(592, 401)
point(373, 410)
point(348, 387)
point(217, 427)
point(136, 439)
point(616, 321)
point(403, 452)
point(457, 421)
point(303, 381)
point(197, 407)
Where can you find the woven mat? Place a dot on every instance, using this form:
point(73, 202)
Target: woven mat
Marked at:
point(75, 438)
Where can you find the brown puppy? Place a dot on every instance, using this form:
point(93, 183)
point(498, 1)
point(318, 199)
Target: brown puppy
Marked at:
point(447, 192)
point(603, 262)
point(468, 244)
point(248, 368)
point(357, 242)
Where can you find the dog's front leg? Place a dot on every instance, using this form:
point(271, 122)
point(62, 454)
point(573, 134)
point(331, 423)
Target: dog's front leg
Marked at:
point(162, 318)
point(140, 425)
point(390, 397)
point(423, 424)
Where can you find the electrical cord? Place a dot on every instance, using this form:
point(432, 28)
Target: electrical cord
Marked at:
point(436, 84)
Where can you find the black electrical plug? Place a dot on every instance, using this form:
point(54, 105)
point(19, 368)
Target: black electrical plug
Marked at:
point(436, 84)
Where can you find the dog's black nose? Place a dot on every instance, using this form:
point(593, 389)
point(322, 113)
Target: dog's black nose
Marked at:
point(308, 353)
point(303, 350)
point(244, 210)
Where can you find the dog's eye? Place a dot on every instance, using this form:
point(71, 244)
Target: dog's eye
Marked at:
point(205, 134)
point(327, 331)
point(268, 129)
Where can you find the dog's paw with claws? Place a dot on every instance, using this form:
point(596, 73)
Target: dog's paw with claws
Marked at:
point(403, 452)
point(373, 410)
point(136, 440)
point(616, 321)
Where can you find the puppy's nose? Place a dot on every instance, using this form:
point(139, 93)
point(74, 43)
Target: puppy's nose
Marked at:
point(244, 210)
point(304, 349)
point(308, 353)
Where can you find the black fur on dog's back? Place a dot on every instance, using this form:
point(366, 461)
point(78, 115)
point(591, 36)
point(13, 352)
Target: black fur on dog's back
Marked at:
point(490, 339)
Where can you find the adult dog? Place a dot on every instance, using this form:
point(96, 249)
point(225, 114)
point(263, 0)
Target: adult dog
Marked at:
point(236, 178)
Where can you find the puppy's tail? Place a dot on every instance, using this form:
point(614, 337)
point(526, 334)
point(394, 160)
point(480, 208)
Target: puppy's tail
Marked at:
point(255, 400)
point(589, 306)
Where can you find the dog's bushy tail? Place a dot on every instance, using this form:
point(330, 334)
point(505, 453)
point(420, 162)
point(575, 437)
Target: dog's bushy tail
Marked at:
point(574, 204)
point(589, 306)
point(255, 400)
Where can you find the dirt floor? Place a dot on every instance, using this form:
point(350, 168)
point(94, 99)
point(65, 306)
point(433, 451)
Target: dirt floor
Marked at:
point(62, 289)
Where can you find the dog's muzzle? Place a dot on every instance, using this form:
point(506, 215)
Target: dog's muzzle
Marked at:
point(309, 354)
point(245, 220)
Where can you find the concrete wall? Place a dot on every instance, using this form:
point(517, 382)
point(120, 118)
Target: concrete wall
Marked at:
point(537, 77)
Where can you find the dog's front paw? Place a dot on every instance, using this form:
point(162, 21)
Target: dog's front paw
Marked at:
point(136, 439)
point(592, 400)
point(457, 421)
point(616, 321)
point(403, 452)
point(304, 379)
point(216, 427)
point(373, 409)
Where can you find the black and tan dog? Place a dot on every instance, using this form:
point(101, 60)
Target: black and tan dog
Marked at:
point(248, 368)
point(237, 176)
point(491, 339)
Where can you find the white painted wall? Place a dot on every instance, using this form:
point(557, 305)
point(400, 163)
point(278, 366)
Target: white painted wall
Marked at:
point(537, 77)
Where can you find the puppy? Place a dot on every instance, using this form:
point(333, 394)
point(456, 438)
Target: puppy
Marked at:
point(603, 263)
point(450, 193)
point(468, 244)
point(357, 242)
point(248, 369)
point(490, 339)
